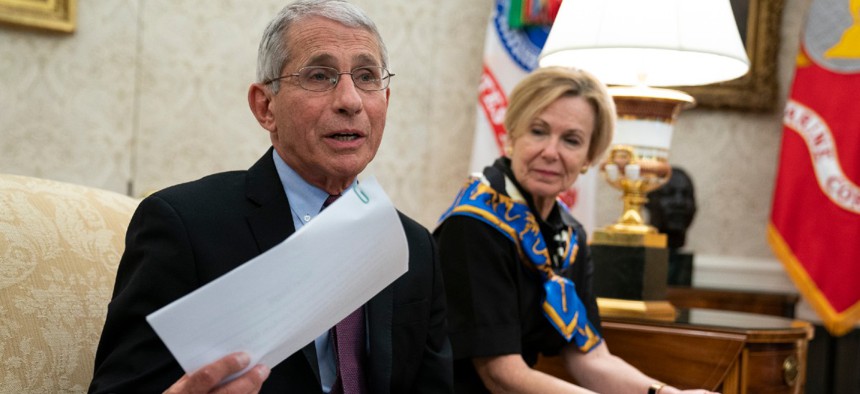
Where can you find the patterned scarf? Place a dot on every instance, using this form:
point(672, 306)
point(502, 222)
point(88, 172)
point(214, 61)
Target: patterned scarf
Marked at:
point(562, 306)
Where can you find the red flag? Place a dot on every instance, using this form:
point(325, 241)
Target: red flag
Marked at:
point(815, 218)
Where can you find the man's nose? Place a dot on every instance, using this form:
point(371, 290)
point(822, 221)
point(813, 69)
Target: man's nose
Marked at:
point(347, 96)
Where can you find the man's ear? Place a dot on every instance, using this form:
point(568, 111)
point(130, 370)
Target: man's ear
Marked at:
point(259, 99)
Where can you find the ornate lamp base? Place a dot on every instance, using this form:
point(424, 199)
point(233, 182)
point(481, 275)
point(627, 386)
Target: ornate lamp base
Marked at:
point(616, 235)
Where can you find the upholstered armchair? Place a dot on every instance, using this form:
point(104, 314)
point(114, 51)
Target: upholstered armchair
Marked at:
point(59, 248)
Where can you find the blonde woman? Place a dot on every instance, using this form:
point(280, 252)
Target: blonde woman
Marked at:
point(516, 264)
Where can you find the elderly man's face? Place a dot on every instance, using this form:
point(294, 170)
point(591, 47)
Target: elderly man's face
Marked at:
point(328, 137)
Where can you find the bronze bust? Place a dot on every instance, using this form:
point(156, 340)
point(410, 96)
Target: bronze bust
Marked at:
point(672, 207)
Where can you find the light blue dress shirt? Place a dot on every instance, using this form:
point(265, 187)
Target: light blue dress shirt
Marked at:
point(306, 203)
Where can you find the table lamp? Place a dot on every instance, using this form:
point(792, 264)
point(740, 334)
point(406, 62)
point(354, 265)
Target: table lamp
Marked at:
point(635, 46)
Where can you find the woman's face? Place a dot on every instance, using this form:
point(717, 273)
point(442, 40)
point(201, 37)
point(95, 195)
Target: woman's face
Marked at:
point(546, 157)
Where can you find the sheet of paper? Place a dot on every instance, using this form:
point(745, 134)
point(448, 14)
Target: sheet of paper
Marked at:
point(278, 302)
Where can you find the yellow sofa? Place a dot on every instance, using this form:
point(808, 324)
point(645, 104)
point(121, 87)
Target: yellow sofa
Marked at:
point(59, 248)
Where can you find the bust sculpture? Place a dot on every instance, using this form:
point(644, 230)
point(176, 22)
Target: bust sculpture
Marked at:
point(671, 209)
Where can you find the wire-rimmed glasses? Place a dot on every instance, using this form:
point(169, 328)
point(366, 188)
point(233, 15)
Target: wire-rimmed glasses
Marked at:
point(321, 78)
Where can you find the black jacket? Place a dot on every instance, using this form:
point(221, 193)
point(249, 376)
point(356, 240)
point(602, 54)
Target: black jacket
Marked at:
point(185, 236)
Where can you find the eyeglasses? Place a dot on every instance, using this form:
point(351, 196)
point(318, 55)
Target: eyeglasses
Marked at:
point(321, 79)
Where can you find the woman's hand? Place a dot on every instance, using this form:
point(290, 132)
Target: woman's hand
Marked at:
point(208, 378)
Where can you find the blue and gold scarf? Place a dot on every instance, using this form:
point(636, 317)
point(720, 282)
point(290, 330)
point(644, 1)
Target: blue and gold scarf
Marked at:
point(562, 306)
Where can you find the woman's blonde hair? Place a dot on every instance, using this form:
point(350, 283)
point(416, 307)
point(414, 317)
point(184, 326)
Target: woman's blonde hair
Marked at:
point(545, 85)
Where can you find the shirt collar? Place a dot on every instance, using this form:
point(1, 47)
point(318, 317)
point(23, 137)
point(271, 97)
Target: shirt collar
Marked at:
point(305, 199)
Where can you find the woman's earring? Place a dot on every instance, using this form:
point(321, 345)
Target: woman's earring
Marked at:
point(583, 170)
point(508, 150)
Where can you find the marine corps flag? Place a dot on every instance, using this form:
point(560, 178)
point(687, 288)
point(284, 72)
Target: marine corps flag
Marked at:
point(815, 219)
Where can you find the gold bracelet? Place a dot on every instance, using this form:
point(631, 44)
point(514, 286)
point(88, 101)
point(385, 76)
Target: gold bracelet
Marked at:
point(656, 387)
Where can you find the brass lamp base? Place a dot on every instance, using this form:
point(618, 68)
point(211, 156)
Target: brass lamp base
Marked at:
point(638, 158)
point(620, 235)
point(648, 310)
point(631, 258)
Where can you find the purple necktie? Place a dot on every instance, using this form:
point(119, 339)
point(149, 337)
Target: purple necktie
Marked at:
point(348, 337)
point(330, 199)
point(349, 342)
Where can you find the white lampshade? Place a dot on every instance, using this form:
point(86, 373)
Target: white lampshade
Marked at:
point(652, 43)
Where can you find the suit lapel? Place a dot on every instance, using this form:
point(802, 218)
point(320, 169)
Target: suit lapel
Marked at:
point(380, 310)
point(271, 223)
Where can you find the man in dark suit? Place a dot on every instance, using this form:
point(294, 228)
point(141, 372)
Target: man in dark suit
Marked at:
point(322, 93)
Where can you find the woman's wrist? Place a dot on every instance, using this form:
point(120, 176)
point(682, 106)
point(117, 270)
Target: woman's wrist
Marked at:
point(663, 388)
point(656, 387)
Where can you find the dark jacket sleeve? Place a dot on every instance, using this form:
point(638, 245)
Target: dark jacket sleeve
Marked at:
point(484, 316)
point(130, 356)
point(434, 370)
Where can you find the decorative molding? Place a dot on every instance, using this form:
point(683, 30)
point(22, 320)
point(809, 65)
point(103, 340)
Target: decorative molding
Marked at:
point(750, 274)
point(741, 273)
point(58, 15)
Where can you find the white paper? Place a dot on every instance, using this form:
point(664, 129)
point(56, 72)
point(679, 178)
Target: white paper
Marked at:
point(281, 300)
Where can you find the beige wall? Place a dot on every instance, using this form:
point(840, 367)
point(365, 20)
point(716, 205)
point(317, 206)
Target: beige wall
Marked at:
point(149, 93)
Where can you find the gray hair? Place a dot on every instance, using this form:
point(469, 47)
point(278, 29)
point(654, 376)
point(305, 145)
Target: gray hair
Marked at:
point(274, 53)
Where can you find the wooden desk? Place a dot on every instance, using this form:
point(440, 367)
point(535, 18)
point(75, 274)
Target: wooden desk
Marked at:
point(729, 352)
point(767, 303)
